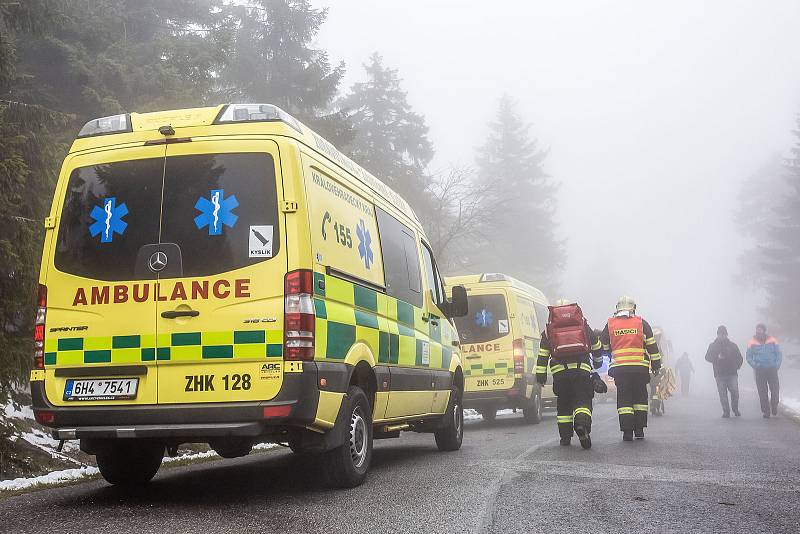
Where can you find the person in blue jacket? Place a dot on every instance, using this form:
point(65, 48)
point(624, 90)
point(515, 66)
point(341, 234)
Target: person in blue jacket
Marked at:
point(764, 356)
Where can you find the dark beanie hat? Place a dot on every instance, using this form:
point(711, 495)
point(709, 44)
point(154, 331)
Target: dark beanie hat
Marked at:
point(722, 330)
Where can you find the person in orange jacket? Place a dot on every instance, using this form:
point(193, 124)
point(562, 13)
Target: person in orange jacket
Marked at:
point(634, 353)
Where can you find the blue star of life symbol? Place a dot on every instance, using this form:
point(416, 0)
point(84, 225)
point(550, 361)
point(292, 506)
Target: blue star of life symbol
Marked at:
point(364, 244)
point(108, 219)
point(483, 318)
point(216, 211)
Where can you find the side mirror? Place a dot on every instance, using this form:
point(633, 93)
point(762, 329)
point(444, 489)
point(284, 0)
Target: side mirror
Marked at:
point(457, 306)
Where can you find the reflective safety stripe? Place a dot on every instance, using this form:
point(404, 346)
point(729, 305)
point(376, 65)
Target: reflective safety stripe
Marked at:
point(558, 367)
point(586, 411)
point(641, 363)
point(640, 407)
point(564, 418)
point(544, 353)
point(625, 410)
point(606, 347)
point(541, 369)
point(597, 345)
point(650, 341)
point(655, 357)
point(626, 352)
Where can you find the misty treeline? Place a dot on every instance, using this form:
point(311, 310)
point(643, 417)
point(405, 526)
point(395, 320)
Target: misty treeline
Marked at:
point(63, 62)
point(769, 214)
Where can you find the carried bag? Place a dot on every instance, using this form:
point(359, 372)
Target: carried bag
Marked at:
point(566, 331)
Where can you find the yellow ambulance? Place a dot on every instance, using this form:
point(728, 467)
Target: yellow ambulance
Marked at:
point(500, 339)
point(224, 275)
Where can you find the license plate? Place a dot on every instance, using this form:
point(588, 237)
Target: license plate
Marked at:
point(101, 389)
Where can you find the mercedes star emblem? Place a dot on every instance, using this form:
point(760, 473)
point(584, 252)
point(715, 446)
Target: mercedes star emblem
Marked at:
point(157, 261)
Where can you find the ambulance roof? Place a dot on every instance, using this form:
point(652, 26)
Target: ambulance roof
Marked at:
point(234, 119)
point(494, 280)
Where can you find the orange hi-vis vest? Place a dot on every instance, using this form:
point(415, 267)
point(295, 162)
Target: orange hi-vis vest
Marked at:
point(627, 342)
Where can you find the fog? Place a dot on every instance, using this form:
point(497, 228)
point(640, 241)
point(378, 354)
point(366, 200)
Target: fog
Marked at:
point(653, 112)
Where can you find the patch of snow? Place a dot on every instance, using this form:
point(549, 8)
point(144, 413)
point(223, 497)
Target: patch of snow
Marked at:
point(55, 477)
point(473, 415)
point(211, 454)
point(792, 405)
point(24, 412)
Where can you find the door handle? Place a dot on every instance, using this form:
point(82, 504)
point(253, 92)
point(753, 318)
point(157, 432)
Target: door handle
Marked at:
point(174, 314)
point(473, 357)
point(426, 317)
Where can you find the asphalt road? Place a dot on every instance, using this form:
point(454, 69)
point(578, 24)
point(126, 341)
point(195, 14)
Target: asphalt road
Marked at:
point(695, 472)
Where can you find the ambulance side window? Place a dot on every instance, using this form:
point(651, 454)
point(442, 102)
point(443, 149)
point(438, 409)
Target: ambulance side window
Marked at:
point(432, 277)
point(400, 259)
point(542, 314)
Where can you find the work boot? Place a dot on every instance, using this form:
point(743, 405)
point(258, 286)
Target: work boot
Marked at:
point(639, 433)
point(583, 436)
point(627, 435)
point(565, 442)
point(774, 411)
point(726, 415)
point(737, 413)
point(765, 416)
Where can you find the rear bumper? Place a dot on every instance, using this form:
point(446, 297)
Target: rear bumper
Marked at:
point(299, 395)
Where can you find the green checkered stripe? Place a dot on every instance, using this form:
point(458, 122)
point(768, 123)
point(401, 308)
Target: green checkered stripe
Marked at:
point(179, 346)
point(393, 329)
point(498, 368)
point(531, 352)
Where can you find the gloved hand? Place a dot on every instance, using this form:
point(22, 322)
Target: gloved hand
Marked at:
point(655, 367)
point(598, 384)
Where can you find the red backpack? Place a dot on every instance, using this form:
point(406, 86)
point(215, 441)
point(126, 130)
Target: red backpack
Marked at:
point(566, 331)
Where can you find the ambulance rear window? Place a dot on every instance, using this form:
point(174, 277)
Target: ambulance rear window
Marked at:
point(110, 211)
point(487, 319)
point(221, 210)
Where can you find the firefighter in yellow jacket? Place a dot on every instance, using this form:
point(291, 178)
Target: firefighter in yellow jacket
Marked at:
point(634, 353)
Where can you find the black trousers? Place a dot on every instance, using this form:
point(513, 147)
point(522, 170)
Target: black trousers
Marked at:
point(768, 389)
point(632, 397)
point(574, 392)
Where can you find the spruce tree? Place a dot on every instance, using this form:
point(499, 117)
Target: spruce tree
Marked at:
point(391, 140)
point(778, 252)
point(273, 61)
point(111, 56)
point(517, 235)
point(28, 162)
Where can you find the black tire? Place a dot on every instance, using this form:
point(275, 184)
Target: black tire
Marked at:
point(346, 466)
point(532, 411)
point(130, 462)
point(451, 433)
point(488, 415)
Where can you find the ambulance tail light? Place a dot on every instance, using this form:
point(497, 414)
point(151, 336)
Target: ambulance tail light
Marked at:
point(38, 328)
point(519, 356)
point(299, 317)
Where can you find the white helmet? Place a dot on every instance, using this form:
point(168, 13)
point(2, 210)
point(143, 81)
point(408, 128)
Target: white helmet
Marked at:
point(626, 304)
point(563, 302)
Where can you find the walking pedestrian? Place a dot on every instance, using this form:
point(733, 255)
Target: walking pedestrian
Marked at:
point(764, 356)
point(727, 359)
point(685, 369)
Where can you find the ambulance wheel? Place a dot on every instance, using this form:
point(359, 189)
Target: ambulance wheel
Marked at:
point(532, 411)
point(129, 462)
point(346, 466)
point(488, 414)
point(451, 433)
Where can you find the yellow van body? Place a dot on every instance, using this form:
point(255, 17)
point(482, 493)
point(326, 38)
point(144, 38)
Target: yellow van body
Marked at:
point(500, 338)
point(226, 275)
